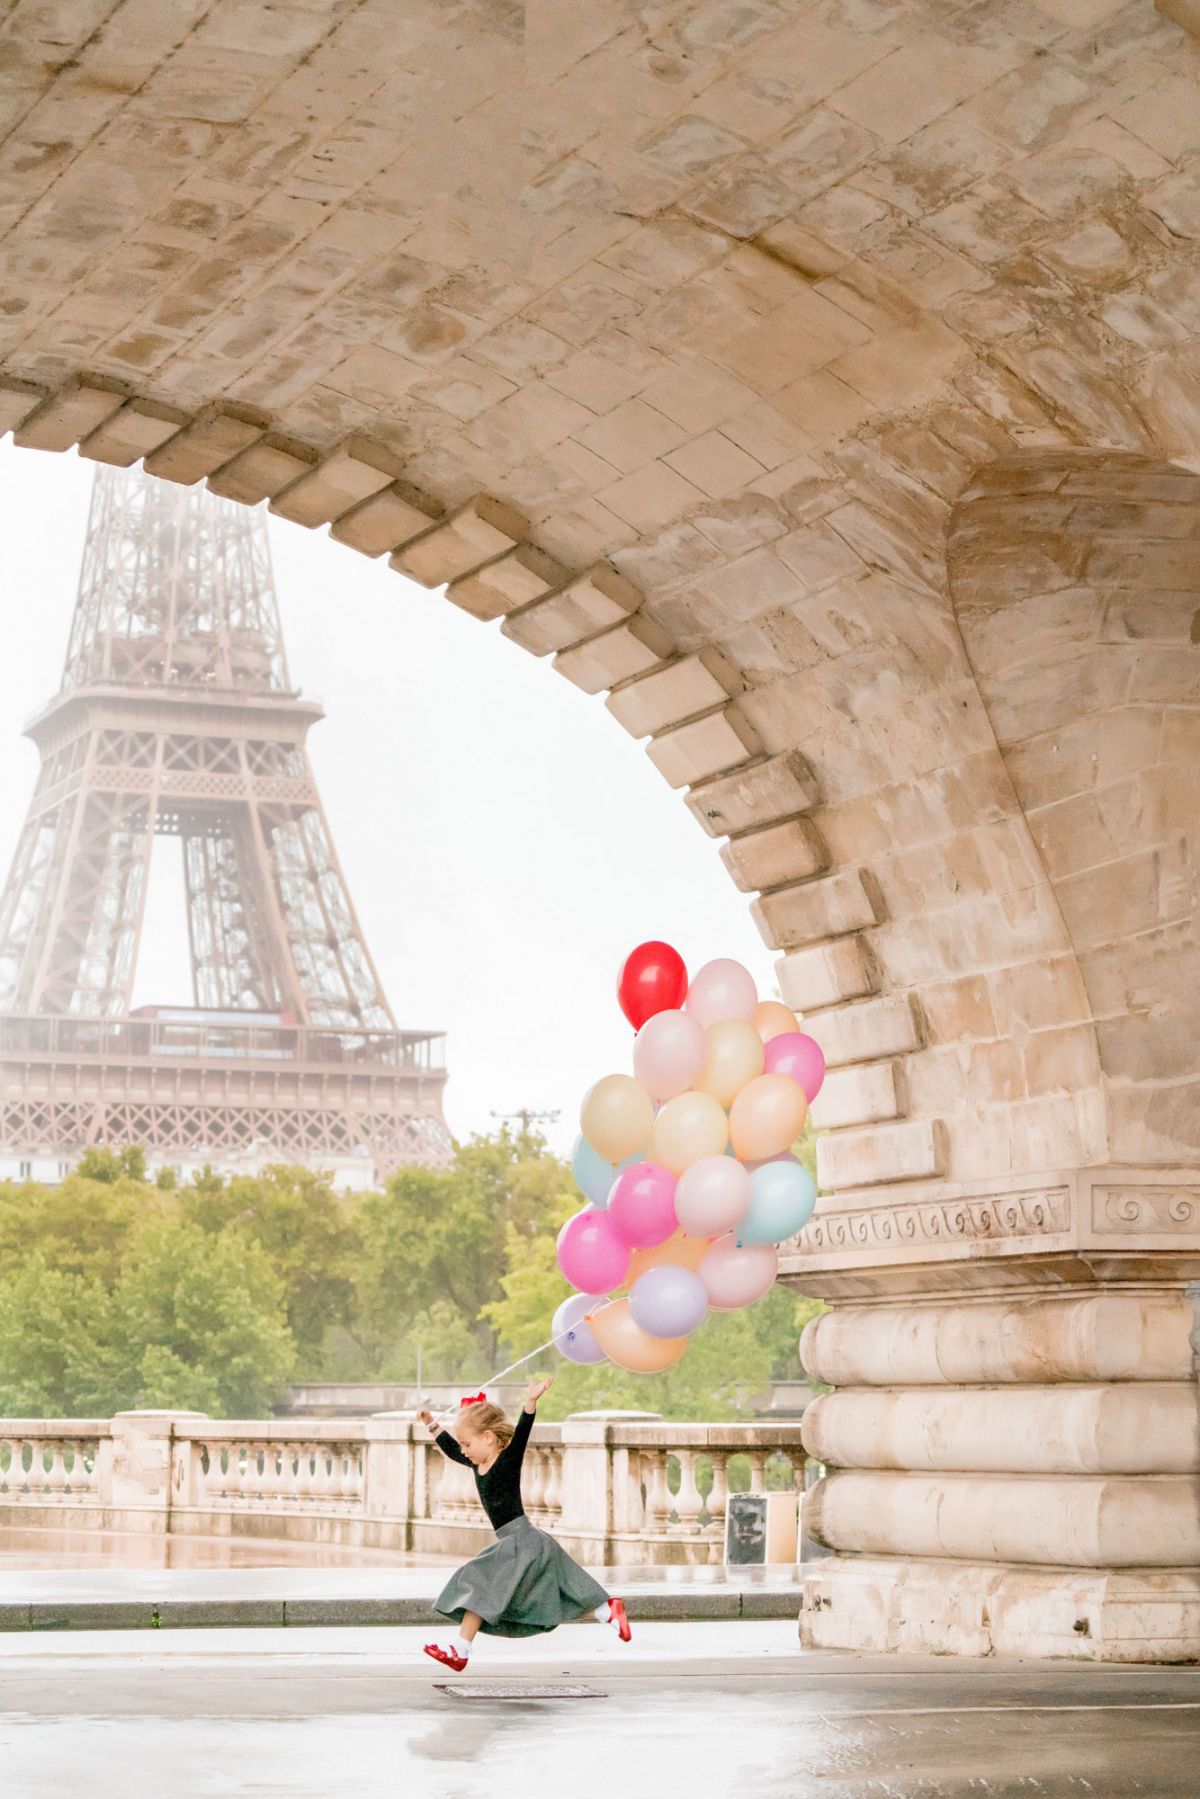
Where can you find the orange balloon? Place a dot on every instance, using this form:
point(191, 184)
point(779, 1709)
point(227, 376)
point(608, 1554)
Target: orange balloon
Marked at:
point(733, 1055)
point(628, 1346)
point(689, 1126)
point(766, 1117)
point(679, 1251)
point(773, 1019)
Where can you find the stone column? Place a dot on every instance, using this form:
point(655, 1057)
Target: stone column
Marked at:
point(1013, 1444)
point(140, 1480)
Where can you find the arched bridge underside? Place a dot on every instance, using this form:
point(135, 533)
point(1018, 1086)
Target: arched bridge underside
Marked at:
point(820, 381)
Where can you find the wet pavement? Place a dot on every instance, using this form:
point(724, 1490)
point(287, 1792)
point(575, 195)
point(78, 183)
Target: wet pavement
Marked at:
point(47, 1549)
point(684, 1709)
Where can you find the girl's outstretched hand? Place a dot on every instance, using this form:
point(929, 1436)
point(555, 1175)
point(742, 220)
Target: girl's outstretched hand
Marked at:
point(536, 1389)
point(426, 1418)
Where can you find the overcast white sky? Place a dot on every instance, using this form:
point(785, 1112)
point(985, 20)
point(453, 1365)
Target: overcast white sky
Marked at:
point(505, 842)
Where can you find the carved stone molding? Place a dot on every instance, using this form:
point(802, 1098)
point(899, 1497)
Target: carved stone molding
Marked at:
point(1040, 1212)
point(1167, 1211)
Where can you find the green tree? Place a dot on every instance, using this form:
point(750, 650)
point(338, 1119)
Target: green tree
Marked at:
point(307, 1232)
point(55, 1343)
point(199, 1320)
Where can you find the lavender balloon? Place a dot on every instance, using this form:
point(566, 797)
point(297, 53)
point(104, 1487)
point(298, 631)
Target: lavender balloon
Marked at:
point(573, 1334)
point(668, 1301)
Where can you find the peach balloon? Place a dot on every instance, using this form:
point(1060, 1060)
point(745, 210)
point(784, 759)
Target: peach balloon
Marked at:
point(679, 1251)
point(735, 1277)
point(766, 1117)
point(617, 1116)
point(630, 1347)
point(690, 1126)
point(773, 1019)
point(733, 1055)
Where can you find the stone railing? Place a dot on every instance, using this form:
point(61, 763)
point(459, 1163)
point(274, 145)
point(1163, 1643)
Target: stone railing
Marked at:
point(613, 1489)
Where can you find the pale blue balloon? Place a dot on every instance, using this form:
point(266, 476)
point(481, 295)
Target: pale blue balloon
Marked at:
point(594, 1174)
point(668, 1301)
point(572, 1334)
point(782, 1197)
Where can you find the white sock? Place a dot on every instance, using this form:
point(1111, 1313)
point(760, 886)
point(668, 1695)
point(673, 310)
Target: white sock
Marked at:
point(461, 1647)
point(604, 1613)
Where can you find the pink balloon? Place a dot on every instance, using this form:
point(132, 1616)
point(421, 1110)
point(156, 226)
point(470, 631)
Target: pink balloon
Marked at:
point(592, 1255)
point(668, 1054)
point(736, 1277)
point(641, 1205)
point(713, 1196)
point(800, 1058)
point(720, 990)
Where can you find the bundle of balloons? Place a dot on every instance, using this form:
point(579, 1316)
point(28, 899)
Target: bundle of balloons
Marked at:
point(687, 1164)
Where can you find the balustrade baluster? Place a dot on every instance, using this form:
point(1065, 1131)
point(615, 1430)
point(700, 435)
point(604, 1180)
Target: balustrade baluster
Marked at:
point(758, 1465)
point(534, 1483)
point(688, 1503)
point(658, 1491)
point(717, 1503)
point(554, 1485)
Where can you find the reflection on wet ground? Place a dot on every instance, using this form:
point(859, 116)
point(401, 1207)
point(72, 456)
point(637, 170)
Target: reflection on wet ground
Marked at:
point(38, 1549)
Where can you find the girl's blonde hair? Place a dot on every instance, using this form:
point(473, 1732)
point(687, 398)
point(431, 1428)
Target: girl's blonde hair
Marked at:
point(488, 1417)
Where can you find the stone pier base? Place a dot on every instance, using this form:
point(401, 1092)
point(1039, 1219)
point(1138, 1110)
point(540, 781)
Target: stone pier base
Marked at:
point(965, 1608)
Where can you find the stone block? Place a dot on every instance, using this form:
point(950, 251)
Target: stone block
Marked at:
point(388, 519)
point(868, 1030)
point(136, 430)
point(893, 1152)
point(17, 400)
point(594, 602)
point(213, 438)
point(682, 689)
point(792, 851)
point(507, 584)
point(864, 1093)
point(348, 475)
point(263, 469)
point(777, 788)
point(707, 746)
point(831, 906)
point(74, 412)
point(481, 531)
point(614, 656)
point(827, 974)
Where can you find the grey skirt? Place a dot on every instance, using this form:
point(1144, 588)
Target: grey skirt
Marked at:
point(520, 1585)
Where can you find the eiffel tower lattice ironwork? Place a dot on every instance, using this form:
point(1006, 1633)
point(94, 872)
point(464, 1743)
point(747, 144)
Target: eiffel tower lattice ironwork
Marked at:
point(176, 716)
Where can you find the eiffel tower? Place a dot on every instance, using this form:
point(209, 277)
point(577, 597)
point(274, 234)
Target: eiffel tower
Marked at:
point(176, 715)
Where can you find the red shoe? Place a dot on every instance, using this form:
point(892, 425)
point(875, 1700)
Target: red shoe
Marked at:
point(616, 1615)
point(449, 1659)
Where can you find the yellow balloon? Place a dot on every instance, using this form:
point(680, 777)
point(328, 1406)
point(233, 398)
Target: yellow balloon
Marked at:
point(766, 1117)
point(733, 1055)
point(628, 1346)
point(617, 1116)
point(773, 1019)
point(679, 1251)
point(689, 1126)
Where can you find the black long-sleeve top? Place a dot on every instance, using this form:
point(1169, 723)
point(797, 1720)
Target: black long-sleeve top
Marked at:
point(500, 1488)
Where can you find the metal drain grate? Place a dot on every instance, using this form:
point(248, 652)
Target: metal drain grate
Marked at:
point(505, 1690)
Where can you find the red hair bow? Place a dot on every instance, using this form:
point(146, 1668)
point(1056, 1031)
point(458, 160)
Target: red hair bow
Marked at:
point(473, 1399)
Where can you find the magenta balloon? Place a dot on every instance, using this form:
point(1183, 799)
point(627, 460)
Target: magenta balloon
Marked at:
point(713, 1195)
point(591, 1254)
point(736, 1277)
point(641, 1206)
point(800, 1058)
point(668, 1054)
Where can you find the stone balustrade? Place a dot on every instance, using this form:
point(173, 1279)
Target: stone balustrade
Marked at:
point(612, 1489)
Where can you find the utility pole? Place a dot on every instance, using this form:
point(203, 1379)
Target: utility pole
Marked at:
point(528, 1117)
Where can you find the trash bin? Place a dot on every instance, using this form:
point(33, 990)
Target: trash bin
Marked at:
point(760, 1529)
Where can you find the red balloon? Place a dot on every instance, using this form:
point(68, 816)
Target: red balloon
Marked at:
point(652, 979)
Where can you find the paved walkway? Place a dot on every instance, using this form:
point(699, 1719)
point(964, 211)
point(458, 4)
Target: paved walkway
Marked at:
point(703, 1710)
point(170, 1598)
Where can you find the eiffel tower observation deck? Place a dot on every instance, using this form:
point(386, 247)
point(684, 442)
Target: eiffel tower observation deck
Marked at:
point(177, 716)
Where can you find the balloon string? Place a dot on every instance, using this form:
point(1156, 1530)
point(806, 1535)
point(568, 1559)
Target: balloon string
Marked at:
point(513, 1366)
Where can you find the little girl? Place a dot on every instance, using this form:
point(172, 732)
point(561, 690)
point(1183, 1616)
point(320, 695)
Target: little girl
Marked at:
point(524, 1582)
